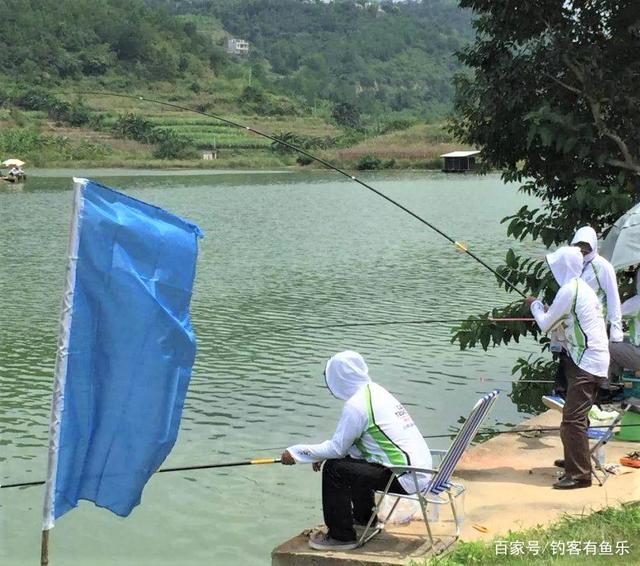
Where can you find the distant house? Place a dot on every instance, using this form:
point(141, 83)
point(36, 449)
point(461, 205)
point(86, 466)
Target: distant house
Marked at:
point(459, 161)
point(237, 46)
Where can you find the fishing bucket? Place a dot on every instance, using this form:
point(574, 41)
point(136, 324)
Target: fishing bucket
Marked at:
point(630, 423)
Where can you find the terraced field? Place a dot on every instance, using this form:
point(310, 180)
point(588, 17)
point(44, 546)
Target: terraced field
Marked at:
point(210, 133)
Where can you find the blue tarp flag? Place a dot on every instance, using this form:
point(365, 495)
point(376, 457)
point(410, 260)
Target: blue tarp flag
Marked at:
point(125, 352)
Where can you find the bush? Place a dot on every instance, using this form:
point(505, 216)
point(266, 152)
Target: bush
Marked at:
point(397, 124)
point(133, 127)
point(74, 114)
point(171, 145)
point(39, 149)
point(304, 160)
point(346, 115)
point(34, 99)
point(368, 163)
point(252, 95)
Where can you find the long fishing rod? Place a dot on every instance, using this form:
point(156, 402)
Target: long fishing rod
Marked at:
point(253, 462)
point(460, 245)
point(263, 461)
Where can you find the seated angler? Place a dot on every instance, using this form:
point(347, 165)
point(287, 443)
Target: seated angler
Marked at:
point(374, 429)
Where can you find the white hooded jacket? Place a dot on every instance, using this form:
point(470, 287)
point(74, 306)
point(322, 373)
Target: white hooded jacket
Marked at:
point(577, 310)
point(374, 425)
point(601, 277)
point(631, 313)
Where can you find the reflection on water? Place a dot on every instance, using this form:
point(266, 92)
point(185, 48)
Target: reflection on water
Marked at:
point(281, 250)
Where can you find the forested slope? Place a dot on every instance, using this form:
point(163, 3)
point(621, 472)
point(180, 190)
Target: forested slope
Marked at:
point(379, 56)
point(69, 39)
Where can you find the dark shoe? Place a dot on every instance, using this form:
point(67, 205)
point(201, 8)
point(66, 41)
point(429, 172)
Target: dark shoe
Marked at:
point(569, 483)
point(322, 541)
point(558, 463)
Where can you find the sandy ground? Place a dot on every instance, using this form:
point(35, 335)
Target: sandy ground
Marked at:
point(509, 481)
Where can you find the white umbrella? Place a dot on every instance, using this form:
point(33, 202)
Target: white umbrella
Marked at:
point(12, 162)
point(622, 244)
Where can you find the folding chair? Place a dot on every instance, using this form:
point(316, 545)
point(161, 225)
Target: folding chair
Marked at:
point(440, 490)
point(604, 435)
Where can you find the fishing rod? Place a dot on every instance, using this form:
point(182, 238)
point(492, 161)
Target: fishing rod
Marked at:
point(253, 462)
point(263, 461)
point(459, 245)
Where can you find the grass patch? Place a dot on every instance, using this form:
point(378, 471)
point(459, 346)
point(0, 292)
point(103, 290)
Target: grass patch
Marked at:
point(573, 540)
point(419, 146)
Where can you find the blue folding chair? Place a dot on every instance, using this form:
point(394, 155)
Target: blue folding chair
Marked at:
point(440, 490)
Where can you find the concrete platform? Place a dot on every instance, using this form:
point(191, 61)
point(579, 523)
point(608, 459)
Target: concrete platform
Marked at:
point(508, 481)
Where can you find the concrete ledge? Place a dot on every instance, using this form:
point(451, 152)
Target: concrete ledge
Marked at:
point(508, 481)
point(398, 545)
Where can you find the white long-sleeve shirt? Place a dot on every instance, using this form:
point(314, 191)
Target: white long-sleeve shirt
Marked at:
point(376, 427)
point(601, 277)
point(577, 310)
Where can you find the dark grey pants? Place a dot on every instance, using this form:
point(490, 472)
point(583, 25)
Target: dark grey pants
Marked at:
point(581, 394)
point(624, 355)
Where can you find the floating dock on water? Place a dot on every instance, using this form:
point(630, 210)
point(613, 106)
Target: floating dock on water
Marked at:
point(508, 481)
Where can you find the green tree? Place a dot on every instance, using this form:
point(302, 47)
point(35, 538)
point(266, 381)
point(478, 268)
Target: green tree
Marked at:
point(552, 99)
point(346, 115)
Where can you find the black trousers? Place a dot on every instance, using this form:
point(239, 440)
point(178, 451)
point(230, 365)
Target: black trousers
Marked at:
point(348, 487)
point(561, 384)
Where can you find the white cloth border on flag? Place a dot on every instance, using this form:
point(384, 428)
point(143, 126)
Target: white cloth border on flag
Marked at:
point(60, 373)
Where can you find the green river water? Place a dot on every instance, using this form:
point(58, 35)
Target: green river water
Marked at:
point(281, 250)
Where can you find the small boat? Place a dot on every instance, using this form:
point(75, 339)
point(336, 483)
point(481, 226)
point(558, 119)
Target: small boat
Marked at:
point(16, 175)
point(21, 178)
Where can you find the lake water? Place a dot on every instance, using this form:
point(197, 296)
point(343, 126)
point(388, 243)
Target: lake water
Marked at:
point(281, 251)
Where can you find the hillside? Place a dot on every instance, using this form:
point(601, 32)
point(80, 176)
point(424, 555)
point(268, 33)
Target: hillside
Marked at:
point(380, 57)
point(329, 76)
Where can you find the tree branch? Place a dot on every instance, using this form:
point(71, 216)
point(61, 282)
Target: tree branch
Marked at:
point(629, 162)
point(563, 84)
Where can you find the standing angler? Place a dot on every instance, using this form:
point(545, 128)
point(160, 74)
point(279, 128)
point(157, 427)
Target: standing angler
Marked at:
point(576, 310)
point(601, 277)
point(374, 429)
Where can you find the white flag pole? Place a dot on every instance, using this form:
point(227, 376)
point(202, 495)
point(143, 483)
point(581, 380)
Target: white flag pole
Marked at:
point(60, 373)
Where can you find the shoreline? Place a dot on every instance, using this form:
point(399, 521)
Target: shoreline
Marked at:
point(231, 164)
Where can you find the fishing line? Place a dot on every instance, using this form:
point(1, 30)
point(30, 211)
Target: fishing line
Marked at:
point(459, 245)
point(388, 323)
point(263, 461)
